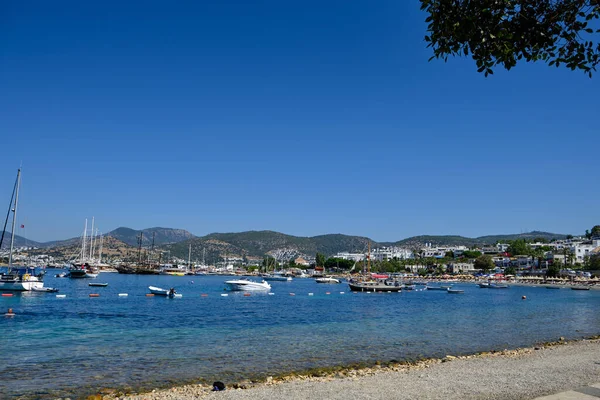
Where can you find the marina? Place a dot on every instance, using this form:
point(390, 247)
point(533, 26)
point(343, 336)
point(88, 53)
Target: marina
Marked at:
point(127, 333)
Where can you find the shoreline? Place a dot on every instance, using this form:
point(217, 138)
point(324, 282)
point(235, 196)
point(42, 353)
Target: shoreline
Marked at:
point(535, 371)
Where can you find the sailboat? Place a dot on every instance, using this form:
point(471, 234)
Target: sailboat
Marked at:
point(84, 267)
point(18, 279)
point(368, 284)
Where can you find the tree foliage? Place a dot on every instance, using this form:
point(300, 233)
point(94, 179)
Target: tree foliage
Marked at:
point(484, 263)
point(320, 260)
point(594, 262)
point(502, 32)
point(553, 270)
point(595, 231)
point(519, 248)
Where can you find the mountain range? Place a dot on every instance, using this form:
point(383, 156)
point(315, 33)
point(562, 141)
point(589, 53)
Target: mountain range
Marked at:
point(178, 242)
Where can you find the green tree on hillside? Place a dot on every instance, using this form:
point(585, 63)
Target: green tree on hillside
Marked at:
point(484, 263)
point(320, 260)
point(502, 32)
point(519, 247)
point(595, 231)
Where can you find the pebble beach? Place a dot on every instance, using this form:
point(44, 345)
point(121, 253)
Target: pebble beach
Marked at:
point(524, 373)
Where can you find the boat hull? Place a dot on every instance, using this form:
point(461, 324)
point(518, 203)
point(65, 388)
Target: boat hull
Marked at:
point(373, 287)
point(20, 285)
point(248, 286)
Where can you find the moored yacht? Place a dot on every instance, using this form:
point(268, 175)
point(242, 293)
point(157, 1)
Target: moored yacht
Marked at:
point(247, 285)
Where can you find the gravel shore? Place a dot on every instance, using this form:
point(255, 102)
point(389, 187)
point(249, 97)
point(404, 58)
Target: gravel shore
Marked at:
point(510, 374)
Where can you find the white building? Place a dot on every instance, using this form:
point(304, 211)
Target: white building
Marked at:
point(390, 253)
point(583, 249)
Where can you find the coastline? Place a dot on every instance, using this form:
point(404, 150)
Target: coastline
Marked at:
point(523, 373)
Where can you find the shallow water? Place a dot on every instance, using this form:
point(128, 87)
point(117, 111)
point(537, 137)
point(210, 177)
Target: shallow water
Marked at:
point(74, 346)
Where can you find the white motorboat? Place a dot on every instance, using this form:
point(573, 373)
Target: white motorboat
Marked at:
point(162, 292)
point(18, 279)
point(327, 279)
point(246, 285)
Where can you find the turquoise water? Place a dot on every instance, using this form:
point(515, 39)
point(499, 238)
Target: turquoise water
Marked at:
point(74, 346)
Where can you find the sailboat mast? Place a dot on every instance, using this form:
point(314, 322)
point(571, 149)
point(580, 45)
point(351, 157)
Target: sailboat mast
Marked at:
point(100, 252)
point(83, 242)
point(92, 241)
point(14, 221)
point(190, 257)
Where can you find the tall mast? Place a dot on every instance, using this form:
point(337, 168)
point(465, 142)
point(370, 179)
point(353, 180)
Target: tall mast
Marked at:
point(190, 256)
point(14, 221)
point(83, 242)
point(140, 240)
point(100, 252)
point(92, 241)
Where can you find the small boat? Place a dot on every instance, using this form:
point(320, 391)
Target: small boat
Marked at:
point(373, 286)
point(45, 289)
point(552, 287)
point(436, 288)
point(61, 275)
point(163, 292)
point(498, 286)
point(579, 288)
point(484, 285)
point(98, 284)
point(455, 291)
point(243, 285)
point(327, 279)
point(277, 278)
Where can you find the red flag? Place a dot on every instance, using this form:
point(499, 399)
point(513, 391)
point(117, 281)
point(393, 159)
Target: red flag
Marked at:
point(22, 226)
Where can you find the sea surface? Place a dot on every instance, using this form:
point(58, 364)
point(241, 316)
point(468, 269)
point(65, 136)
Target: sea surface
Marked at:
point(74, 346)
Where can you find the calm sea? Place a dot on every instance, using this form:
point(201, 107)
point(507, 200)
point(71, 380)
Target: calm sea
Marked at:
point(76, 345)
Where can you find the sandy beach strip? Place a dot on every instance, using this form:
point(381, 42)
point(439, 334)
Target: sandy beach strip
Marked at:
point(511, 374)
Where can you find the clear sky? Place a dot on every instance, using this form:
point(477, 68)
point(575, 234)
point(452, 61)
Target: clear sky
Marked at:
point(304, 117)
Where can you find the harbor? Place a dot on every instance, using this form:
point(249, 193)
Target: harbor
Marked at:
point(125, 343)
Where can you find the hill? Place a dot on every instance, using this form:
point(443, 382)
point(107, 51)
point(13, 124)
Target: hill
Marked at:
point(215, 246)
point(481, 240)
point(19, 241)
point(162, 236)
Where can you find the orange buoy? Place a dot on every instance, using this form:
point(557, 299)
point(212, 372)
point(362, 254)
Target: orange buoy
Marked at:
point(10, 313)
point(94, 295)
point(149, 294)
point(203, 295)
point(246, 294)
point(7, 294)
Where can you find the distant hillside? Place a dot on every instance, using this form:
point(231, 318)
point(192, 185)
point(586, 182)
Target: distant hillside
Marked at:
point(529, 235)
point(19, 241)
point(482, 240)
point(436, 241)
point(67, 250)
point(260, 243)
point(161, 236)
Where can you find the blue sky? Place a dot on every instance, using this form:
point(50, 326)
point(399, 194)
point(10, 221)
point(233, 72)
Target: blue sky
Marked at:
point(302, 117)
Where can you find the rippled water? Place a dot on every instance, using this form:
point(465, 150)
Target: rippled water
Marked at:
point(73, 346)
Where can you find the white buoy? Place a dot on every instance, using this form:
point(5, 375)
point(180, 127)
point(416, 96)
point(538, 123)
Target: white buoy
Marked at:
point(224, 294)
point(342, 292)
point(61, 296)
point(310, 294)
point(123, 295)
